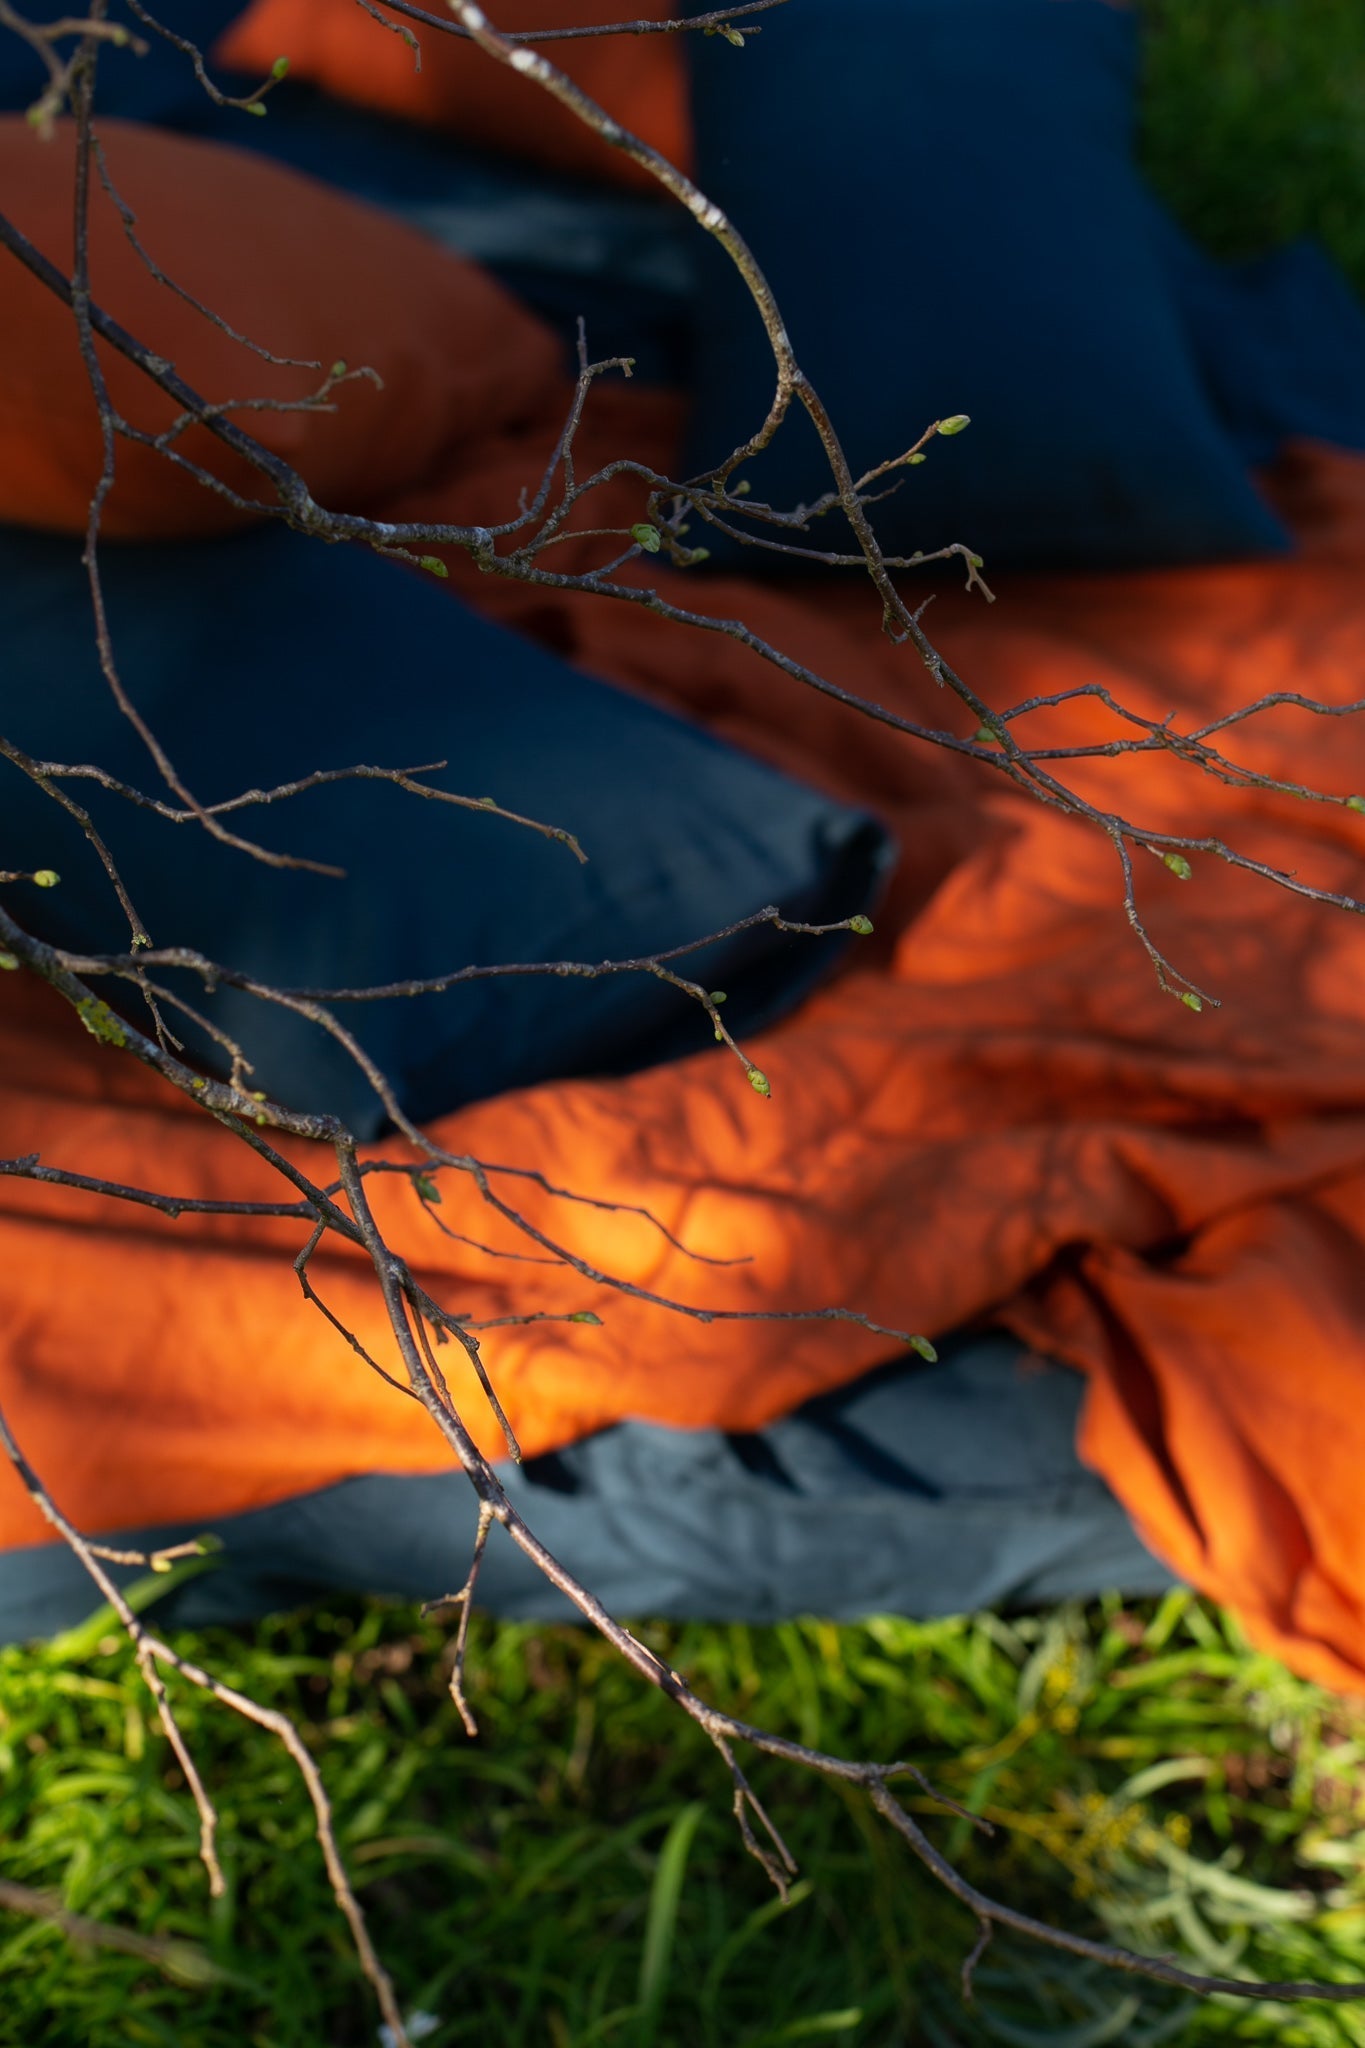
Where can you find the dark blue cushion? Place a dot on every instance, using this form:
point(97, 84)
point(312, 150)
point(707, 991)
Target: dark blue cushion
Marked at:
point(943, 196)
point(265, 656)
point(1280, 339)
point(159, 86)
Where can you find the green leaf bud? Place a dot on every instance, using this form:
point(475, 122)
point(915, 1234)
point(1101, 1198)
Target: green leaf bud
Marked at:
point(1355, 803)
point(688, 556)
point(955, 423)
point(427, 1188)
point(759, 1082)
point(718, 995)
point(925, 1349)
point(1192, 1001)
point(914, 461)
point(986, 736)
point(255, 107)
point(338, 368)
point(861, 925)
point(47, 878)
point(585, 1315)
point(280, 68)
point(7, 963)
point(433, 565)
point(741, 489)
point(645, 536)
point(1178, 865)
point(732, 35)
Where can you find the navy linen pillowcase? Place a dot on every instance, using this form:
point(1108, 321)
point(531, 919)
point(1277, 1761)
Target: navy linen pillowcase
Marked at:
point(943, 197)
point(261, 657)
point(159, 85)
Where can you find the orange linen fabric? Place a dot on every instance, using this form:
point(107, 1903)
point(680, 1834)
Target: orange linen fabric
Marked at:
point(278, 257)
point(993, 1112)
point(640, 80)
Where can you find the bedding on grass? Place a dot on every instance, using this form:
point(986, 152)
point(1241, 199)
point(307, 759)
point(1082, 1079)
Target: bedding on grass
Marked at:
point(992, 1115)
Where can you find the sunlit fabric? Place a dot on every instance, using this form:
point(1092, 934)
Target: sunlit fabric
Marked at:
point(994, 1114)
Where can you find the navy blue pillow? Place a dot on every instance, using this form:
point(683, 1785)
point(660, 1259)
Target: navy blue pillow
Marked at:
point(943, 196)
point(160, 86)
point(1281, 341)
point(261, 657)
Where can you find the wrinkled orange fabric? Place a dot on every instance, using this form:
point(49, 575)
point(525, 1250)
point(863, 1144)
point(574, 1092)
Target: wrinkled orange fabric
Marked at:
point(352, 55)
point(994, 1112)
point(277, 256)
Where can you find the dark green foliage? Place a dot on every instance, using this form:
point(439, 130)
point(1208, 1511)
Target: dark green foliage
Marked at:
point(574, 1875)
point(1254, 122)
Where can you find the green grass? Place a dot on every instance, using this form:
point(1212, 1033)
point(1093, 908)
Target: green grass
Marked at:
point(1254, 122)
point(574, 1877)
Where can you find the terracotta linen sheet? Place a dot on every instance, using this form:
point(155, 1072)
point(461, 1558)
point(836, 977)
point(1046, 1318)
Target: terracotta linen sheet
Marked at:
point(994, 1113)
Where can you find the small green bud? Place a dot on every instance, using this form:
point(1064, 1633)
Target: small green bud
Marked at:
point(47, 878)
point(925, 1349)
point(255, 107)
point(955, 423)
point(280, 68)
point(986, 736)
point(688, 556)
point(427, 1188)
point(732, 35)
point(488, 803)
point(257, 1094)
point(1192, 1001)
point(7, 962)
point(1178, 865)
point(718, 995)
point(914, 461)
point(199, 1082)
point(861, 925)
point(759, 1082)
point(208, 1545)
point(977, 561)
point(646, 536)
point(159, 1563)
point(1355, 803)
point(585, 1315)
point(433, 565)
point(338, 368)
